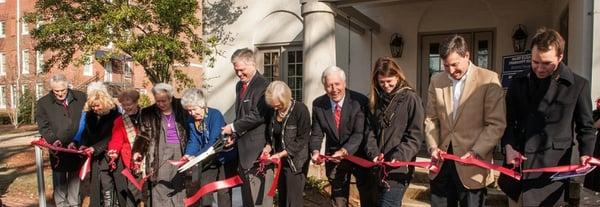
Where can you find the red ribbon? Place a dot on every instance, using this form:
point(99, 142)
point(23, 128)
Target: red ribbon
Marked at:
point(132, 180)
point(211, 187)
point(434, 167)
point(567, 168)
point(368, 164)
point(482, 164)
point(263, 161)
point(41, 142)
point(396, 164)
point(85, 168)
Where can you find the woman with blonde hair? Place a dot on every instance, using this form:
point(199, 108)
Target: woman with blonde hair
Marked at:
point(105, 139)
point(396, 128)
point(288, 132)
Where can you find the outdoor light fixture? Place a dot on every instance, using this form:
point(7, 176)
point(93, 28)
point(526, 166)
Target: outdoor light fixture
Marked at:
point(396, 45)
point(519, 38)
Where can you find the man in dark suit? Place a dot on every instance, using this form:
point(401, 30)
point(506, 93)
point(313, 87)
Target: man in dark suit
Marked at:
point(545, 107)
point(58, 115)
point(249, 127)
point(340, 115)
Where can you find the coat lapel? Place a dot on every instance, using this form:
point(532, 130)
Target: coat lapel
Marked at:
point(563, 76)
point(447, 95)
point(470, 85)
point(238, 89)
point(549, 96)
point(345, 119)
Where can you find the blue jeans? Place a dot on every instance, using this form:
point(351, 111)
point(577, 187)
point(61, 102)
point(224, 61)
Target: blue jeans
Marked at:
point(392, 196)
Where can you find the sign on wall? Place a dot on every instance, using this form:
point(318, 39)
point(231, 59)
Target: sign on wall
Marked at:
point(512, 65)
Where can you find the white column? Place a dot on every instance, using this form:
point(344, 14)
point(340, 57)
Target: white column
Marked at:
point(580, 37)
point(318, 47)
point(595, 79)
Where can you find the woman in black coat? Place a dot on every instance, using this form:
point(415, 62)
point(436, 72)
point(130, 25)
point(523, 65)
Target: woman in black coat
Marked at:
point(288, 132)
point(103, 122)
point(396, 128)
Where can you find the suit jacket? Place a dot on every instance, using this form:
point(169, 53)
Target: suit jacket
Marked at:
point(352, 124)
point(249, 123)
point(479, 124)
point(55, 122)
point(545, 135)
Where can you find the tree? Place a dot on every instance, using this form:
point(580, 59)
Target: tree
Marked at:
point(26, 107)
point(157, 34)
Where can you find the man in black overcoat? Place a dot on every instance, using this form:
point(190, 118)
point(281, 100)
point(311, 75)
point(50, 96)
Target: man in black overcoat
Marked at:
point(57, 115)
point(548, 107)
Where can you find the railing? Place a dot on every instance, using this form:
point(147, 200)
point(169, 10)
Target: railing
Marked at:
point(39, 164)
point(82, 86)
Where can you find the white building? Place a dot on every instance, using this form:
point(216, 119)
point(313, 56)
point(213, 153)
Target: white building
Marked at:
point(297, 39)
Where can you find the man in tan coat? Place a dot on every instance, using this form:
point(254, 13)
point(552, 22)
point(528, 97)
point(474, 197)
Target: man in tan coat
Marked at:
point(465, 116)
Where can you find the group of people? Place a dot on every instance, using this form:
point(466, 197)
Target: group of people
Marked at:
point(467, 113)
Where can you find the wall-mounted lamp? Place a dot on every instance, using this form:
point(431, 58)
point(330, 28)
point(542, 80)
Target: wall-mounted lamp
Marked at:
point(396, 45)
point(519, 38)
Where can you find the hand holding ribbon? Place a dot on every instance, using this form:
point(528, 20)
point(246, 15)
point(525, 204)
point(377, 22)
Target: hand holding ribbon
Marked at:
point(180, 162)
point(112, 155)
point(316, 158)
point(514, 157)
point(85, 168)
point(265, 160)
point(137, 162)
point(586, 162)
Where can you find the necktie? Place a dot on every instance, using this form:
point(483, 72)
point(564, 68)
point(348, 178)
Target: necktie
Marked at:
point(66, 106)
point(338, 115)
point(243, 91)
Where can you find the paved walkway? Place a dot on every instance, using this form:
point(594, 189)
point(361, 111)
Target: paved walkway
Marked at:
point(18, 139)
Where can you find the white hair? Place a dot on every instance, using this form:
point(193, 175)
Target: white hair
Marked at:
point(193, 97)
point(97, 87)
point(163, 88)
point(245, 54)
point(331, 70)
point(59, 78)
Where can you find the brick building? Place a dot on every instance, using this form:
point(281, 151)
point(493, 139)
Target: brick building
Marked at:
point(21, 66)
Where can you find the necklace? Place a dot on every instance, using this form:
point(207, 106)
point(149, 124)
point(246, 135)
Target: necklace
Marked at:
point(168, 119)
point(281, 114)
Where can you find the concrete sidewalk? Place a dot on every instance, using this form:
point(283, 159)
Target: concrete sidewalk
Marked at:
point(18, 139)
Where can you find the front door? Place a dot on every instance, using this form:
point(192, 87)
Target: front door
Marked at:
point(481, 45)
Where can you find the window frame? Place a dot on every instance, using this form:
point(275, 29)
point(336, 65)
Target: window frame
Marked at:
point(2, 63)
point(13, 97)
point(24, 27)
point(3, 99)
point(39, 90)
point(283, 50)
point(39, 62)
point(25, 64)
point(88, 67)
point(2, 29)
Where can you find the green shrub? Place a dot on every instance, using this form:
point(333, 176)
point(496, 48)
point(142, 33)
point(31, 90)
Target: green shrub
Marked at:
point(316, 184)
point(4, 119)
point(25, 107)
point(144, 101)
